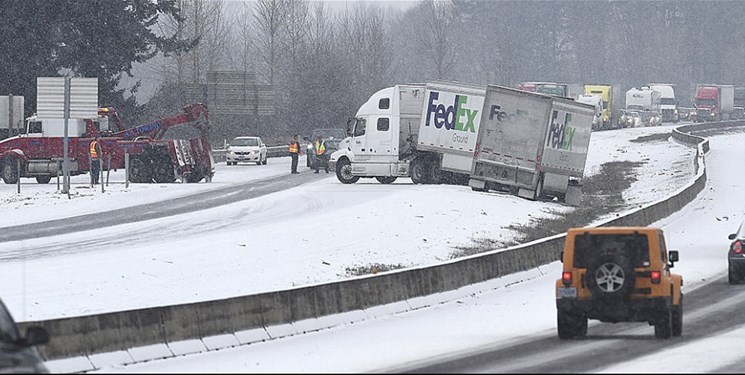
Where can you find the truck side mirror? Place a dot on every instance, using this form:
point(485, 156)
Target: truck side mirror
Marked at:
point(732, 236)
point(36, 336)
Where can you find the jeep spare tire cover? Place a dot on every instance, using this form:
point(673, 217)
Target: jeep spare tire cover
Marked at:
point(610, 276)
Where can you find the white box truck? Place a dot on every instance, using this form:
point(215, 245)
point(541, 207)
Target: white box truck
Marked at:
point(423, 131)
point(531, 144)
point(643, 99)
point(668, 102)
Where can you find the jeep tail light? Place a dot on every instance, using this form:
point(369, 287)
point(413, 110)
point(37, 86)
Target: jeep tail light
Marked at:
point(566, 278)
point(737, 247)
point(656, 276)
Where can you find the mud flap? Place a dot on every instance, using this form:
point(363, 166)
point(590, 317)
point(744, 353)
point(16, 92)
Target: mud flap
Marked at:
point(573, 195)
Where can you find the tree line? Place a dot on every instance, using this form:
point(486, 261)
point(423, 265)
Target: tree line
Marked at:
point(321, 63)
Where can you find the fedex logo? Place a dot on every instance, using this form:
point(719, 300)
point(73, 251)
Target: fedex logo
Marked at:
point(560, 135)
point(453, 117)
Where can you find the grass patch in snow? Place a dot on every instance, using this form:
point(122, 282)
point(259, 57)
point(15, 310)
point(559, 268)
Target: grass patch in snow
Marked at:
point(372, 269)
point(601, 195)
point(652, 138)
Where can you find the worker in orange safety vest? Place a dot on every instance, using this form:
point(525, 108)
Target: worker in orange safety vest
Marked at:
point(294, 153)
point(96, 153)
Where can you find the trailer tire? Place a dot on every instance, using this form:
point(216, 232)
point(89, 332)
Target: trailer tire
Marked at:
point(419, 171)
point(43, 179)
point(10, 171)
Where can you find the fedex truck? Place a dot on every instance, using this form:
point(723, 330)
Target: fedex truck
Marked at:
point(423, 131)
point(532, 145)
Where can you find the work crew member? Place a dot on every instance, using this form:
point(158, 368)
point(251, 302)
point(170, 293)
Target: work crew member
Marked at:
point(321, 156)
point(96, 154)
point(294, 153)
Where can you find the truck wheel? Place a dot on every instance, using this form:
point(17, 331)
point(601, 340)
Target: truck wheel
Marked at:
point(386, 180)
point(344, 172)
point(138, 171)
point(10, 171)
point(663, 327)
point(419, 171)
point(43, 179)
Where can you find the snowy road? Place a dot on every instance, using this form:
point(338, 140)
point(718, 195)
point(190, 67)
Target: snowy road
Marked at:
point(515, 316)
point(316, 232)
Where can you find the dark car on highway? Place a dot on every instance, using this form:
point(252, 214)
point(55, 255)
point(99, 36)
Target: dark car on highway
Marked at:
point(332, 137)
point(18, 354)
point(735, 256)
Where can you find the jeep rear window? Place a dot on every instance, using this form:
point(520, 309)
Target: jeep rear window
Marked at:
point(633, 246)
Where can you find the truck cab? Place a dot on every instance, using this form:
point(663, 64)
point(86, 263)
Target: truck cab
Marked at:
point(597, 102)
point(382, 135)
point(605, 92)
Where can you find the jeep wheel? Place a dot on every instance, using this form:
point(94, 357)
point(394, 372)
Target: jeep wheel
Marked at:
point(678, 318)
point(570, 325)
point(663, 327)
point(610, 276)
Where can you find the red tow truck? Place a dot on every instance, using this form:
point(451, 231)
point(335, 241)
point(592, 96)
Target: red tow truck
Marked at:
point(40, 149)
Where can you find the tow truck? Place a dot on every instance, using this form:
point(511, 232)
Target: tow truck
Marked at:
point(39, 150)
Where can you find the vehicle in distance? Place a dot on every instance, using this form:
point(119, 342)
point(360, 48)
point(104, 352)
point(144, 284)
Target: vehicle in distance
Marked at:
point(18, 355)
point(618, 274)
point(735, 256)
point(246, 149)
point(332, 137)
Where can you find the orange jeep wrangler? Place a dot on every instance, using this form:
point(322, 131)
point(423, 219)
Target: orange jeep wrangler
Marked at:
point(618, 274)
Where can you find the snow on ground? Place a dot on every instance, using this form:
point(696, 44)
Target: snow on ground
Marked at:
point(510, 309)
point(39, 202)
point(309, 234)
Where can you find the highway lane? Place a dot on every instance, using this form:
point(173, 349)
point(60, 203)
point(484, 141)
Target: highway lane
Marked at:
point(169, 207)
point(711, 309)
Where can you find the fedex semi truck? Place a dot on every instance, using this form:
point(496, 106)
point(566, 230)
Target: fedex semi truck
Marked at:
point(532, 145)
point(423, 131)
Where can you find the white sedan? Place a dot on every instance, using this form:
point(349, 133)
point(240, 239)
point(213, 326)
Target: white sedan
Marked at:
point(246, 149)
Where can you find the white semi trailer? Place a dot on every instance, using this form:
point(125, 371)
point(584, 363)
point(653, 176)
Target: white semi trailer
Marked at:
point(533, 145)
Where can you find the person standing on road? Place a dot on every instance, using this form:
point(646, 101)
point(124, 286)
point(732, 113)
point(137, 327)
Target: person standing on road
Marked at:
point(320, 147)
point(96, 154)
point(294, 153)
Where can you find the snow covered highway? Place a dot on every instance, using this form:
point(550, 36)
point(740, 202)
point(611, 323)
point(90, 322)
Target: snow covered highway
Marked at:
point(509, 324)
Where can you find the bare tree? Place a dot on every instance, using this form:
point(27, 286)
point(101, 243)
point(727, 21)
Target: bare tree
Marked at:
point(270, 16)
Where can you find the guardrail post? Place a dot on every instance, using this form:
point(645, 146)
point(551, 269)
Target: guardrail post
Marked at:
point(18, 172)
point(126, 168)
point(59, 167)
point(108, 170)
